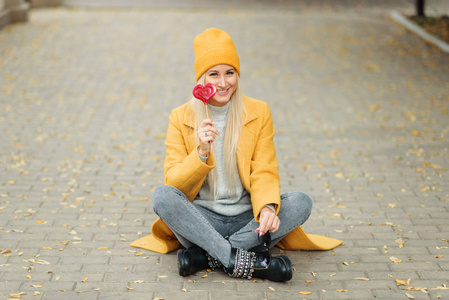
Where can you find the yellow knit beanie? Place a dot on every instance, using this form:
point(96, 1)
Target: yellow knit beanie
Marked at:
point(214, 47)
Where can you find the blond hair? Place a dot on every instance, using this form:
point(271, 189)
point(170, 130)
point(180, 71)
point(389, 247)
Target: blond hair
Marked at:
point(234, 125)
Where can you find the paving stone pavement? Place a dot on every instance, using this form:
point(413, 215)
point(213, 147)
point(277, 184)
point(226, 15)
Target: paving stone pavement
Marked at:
point(360, 107)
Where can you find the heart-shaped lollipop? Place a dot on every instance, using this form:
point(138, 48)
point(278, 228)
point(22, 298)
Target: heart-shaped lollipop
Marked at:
point(204, 92)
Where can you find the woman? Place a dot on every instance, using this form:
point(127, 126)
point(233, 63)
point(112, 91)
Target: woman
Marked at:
point(221, 198)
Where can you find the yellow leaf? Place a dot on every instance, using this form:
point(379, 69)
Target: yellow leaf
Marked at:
point(409, 296)
point(402, 282)
point(374, 107)
point(308, 281)
point(47, 248)
point(28, 276)
point(85, 279)
point(395, 259)
point(271, 289)
point(41, 221)
point(139, 254)
point(340, 175)
point(102, 248)
point(361, 278)
point(304, 292)
point(416, 133)
point(204, 276)
point(342, 291)
point(129, 288)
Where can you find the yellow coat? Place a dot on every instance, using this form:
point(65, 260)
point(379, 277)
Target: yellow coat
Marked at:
point(257, 165)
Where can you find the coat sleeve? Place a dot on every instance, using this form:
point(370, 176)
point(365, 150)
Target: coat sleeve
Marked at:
point(183, 170)
point(264, 176)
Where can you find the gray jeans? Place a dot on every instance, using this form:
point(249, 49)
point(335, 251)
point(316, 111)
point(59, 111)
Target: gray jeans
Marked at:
point(215, 233)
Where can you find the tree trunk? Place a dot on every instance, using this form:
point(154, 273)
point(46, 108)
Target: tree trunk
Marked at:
point(420, 8)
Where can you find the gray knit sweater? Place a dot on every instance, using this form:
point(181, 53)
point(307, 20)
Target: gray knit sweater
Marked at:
point(229, 202)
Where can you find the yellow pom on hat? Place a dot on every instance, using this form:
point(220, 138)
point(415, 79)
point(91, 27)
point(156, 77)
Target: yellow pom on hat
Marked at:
point(214, 47)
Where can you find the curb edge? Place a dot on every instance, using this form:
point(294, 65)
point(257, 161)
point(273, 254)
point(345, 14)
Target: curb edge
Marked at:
point(399, 18)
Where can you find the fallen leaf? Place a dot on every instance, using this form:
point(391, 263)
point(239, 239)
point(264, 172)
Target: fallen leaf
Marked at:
point(85, 279)
point(41, 221)
point(409, 296)
point(304, 292)
point(271, 289)
point(129, 288)
point(416, 133)
point(416, 289)
point(403, 282)
point(395, 259)
point(374, 107)
point(17, 296)
point(340, 175)
point(342, 291)
point(361, 278)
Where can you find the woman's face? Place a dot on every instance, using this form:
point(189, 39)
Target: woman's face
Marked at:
point(224, 77)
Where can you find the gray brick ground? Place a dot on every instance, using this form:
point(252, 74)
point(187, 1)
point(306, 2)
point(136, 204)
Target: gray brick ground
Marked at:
point(360, 107)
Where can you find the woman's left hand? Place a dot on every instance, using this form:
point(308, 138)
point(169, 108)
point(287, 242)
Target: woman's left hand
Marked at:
point(268, 221)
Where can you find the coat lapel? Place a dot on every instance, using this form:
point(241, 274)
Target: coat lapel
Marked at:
point(246, 145)
point(189, 130)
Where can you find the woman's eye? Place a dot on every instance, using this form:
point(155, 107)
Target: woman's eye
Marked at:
point(213, 74)
point(231, 73)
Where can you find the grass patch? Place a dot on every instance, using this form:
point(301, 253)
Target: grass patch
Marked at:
point(437, 26)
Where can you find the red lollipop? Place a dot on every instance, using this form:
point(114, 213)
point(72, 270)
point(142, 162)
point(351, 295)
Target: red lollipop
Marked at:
point(204, 93)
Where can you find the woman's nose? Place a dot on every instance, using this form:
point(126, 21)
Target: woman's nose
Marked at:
point(221, 81)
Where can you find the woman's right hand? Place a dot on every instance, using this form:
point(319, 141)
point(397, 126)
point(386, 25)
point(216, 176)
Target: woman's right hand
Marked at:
point(206, 135)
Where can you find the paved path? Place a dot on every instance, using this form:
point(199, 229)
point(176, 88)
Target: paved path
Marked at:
point(361, 112)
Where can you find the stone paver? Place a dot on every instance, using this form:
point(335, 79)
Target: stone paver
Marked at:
point(360, 107)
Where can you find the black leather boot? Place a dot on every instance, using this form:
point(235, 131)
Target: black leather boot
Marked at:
point(279, 269)
point(195, 259)
point(247, 264)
